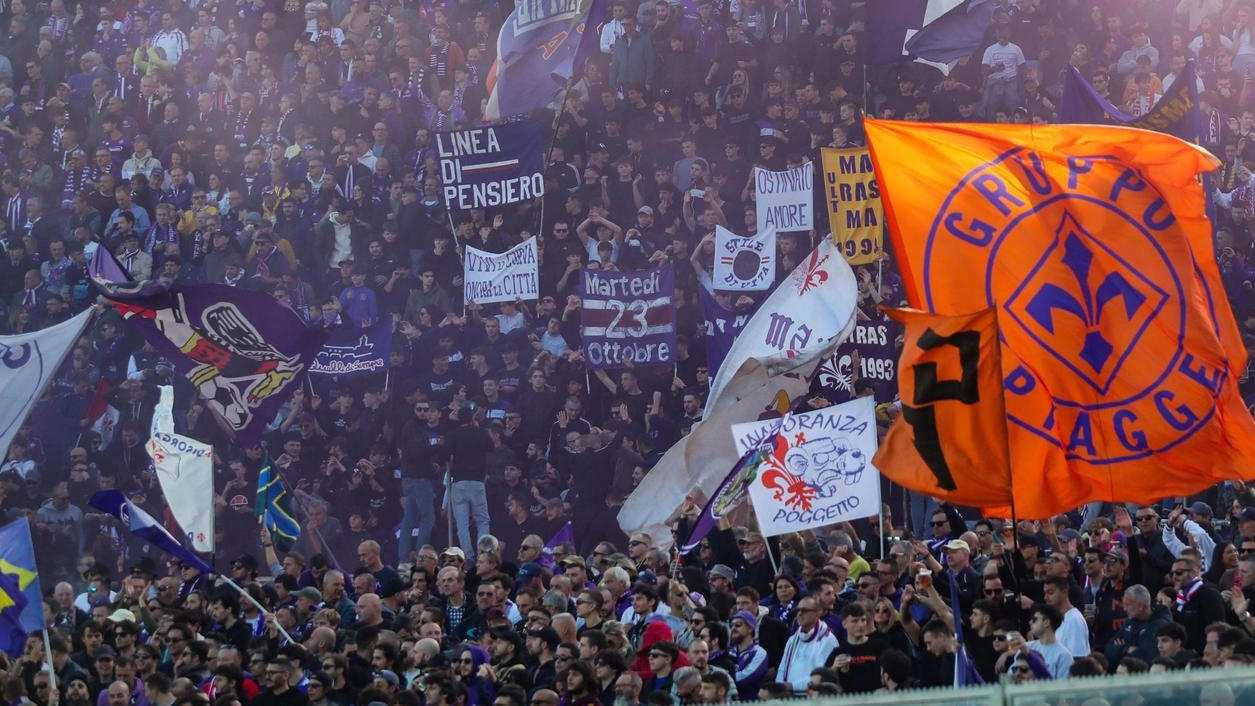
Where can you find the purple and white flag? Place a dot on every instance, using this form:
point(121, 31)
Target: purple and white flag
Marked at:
point(564, 535)
point(744, 263)
point(628, 316)
point(729, 495)
point(212, 334)
point(493, 166)
point(354, 351)
point(185, 470)
point(141, 524)
point(804, 318)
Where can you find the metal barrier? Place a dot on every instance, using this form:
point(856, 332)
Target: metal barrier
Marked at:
point(1201, 687)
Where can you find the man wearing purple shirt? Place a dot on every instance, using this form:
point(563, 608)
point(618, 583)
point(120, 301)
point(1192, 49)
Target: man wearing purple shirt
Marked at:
point(357, 303)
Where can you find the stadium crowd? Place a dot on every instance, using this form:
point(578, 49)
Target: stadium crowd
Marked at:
point(287, 147)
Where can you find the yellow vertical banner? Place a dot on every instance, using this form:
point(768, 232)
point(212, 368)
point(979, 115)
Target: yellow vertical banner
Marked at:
point(854, 210)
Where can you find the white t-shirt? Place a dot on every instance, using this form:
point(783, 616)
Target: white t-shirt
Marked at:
point(1074, 633)
point(1057, 658)
point(1009, 56)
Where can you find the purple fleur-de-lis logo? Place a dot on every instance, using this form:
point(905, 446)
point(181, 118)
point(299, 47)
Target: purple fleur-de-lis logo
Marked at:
point(1090, 306)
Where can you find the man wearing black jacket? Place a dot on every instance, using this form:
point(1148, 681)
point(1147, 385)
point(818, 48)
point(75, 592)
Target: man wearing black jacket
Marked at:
point(278, 691)
point(421, 449)
point(591, 464)
point(1198, 604)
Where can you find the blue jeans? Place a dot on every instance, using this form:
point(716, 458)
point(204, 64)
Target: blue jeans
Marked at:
point(470, 499)
point(419, 500)
point(922, 508)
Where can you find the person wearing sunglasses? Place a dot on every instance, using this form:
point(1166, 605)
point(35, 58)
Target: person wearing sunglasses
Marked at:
point(809, 646)
point(1197, 605)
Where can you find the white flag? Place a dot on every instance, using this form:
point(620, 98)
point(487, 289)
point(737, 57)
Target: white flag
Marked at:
point(185, 470)
point(808, 314)
point(490, 277)
point(785, 201)
point(820, 470)
point(28, 362)
point(745, 264)
point(767, 367)
point(102, 415)
point(698, 463)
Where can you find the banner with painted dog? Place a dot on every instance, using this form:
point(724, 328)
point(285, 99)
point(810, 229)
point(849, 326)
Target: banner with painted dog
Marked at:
point(819, 471)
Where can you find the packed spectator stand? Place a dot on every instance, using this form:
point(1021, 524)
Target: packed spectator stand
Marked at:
point(289, 148)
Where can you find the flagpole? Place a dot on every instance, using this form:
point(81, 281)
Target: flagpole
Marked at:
point(775, 568)
point(448, 502)
point(305, 510)
point(553, 134)
point(52, 673)
point(1015, 522)
point(880, 527)
point(248, 597)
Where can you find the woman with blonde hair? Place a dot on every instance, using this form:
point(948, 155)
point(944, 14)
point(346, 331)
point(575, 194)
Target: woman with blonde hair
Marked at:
point(888, 625)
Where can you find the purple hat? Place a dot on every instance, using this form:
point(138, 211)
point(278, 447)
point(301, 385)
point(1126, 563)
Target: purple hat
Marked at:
point(749, 618)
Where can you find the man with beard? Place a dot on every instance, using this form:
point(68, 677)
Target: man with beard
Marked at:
point(627, 689)
point(699, 659)
point(279, 691)
point(507, 661)
point(119, 694)
point(190, 663)
point(77, 692)
point(225, 611)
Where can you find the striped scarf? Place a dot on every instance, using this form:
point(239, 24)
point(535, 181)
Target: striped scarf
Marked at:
point(438, 62)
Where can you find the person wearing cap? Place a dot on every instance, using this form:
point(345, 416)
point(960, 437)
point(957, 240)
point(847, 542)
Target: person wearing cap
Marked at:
point(755, 569)
point(541, 645)
point(387, 681)
point(1177, 519)
point(138, 264)
point(750, 658)
point(244, 569)
point(1107, 612)
point(141, 161)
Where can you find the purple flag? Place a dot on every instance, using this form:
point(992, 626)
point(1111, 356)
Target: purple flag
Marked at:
point(353, 351)
point(889, 23)
point(722, 328)
point(564, 534)
point(965, 673)
point(113, 281)
point(731, 492)
point(537, 51)
point(213, 335)
point(142, 525)
point(1175, 113)
point(628, 316)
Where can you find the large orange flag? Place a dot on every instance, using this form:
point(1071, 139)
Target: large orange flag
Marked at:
point(1120, 357)
point(951, 438)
